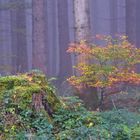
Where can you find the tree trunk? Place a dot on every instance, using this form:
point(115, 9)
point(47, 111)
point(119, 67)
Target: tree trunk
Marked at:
point(132, 23)
point(114, 18)
point(52, 38)
point(39, 35)
point(18, 36)
point(22, 57)
point(5, 39)
point(138, 29)
point(13, 39)
point(82, 32)
point(40, 103)
point(28, 13)
point(89, 96)
point(131, 20)
point(63, 29)
point(82, 24)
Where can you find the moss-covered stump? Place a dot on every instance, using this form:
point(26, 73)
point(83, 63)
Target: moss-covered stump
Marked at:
point(24, 99)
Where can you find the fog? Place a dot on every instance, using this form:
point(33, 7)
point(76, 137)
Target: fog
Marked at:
point(109, 17)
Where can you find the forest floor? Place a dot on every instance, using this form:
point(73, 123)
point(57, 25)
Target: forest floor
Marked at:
point(128, 100)
point(30, 109)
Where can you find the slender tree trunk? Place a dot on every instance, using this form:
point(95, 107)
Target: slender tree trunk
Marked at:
point(131, 20)
point(63, 29)
point(52, 38)
point(113, 15)
point(28, 16)
point(82, 24)
point(82, 32)
point(18, 36)
point(5, 39)
point(13, 39)
point(22, 57)
point(39, 35)
point(132, 23)
point(138, 29)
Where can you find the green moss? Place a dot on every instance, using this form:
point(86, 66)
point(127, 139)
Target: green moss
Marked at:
point(9, 82)
point(16, 103)
point(18, 90)
point(53, 101)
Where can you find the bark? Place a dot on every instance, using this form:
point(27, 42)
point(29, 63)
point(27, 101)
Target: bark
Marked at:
point(121, 16)
point(131, 20)
point(13, 39)
point(114, 17)
point(22, 57)
point(18, 36)
point(82, 32)
point(132, 23)
point(39, 35)
point(5, 39)
point(52, 39)
point(39, 103)
point(82, 26)
point(28, 16)
point(138, 23)
point(63, 29)
point(138, 29)
point(101, 99)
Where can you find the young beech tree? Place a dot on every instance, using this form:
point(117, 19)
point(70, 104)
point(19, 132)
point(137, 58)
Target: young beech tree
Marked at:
point(113, 65)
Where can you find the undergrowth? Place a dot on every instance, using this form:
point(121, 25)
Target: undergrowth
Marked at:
point(70, 119)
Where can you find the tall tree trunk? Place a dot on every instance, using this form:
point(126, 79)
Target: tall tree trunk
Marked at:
point(82, 32)
point(63, 29)
point(131, 20)
point(52, 38)
point(121, 16)
point(39, 44)
point(28, 16)
point(138, 28)
point(39, 35)
point(22, 57)
point(132, 23)
point(114, 18)
point(14, 39)
point(82, 24)
point(5, 39)
point(18, 33)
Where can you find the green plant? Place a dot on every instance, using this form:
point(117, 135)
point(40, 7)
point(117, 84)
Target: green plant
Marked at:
point(17, 105)
point(70, 119)
point(74, 116)
point(118, 124)
point(135, 135)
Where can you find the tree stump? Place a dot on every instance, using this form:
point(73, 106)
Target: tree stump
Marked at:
point(39, 102)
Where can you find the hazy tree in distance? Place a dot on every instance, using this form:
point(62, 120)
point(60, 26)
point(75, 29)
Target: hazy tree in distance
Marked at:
point(63, 31)
point(39, 35)
point(131, 20)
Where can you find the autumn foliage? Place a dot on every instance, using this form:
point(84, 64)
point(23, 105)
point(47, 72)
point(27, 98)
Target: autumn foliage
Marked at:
point(111, 62)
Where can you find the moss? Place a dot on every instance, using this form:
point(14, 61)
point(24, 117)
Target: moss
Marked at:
point(17, 103)
point(10, 81)
point(18, 90)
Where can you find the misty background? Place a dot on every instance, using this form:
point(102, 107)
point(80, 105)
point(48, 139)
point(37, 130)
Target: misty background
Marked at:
point(18, 33)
